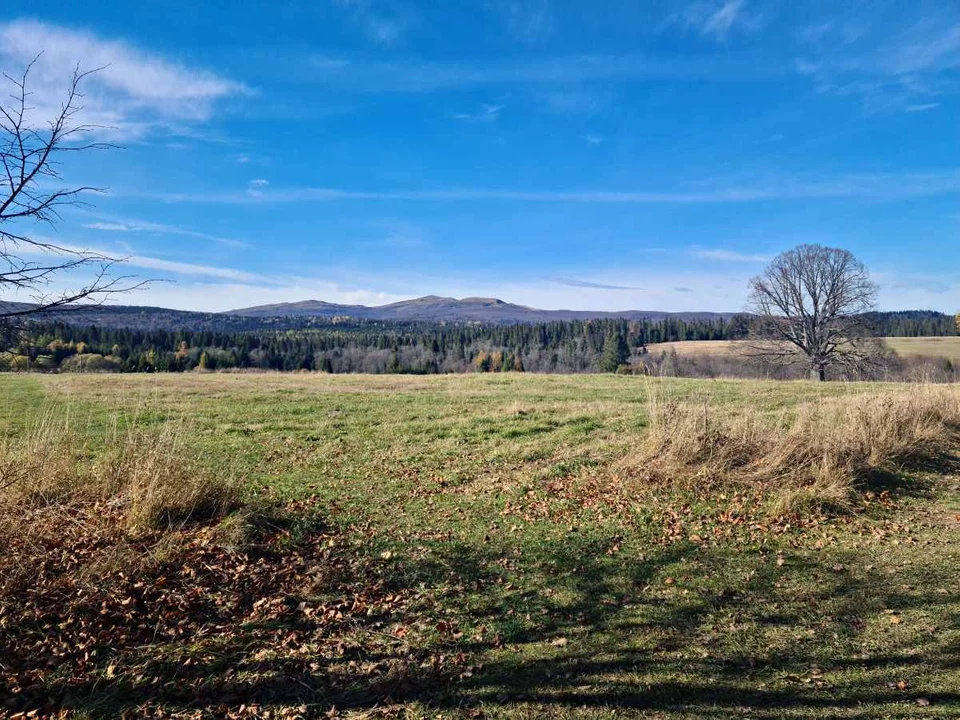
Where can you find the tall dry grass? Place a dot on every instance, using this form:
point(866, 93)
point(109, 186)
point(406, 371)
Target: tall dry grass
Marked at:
point(810, 457)
point(147, 473)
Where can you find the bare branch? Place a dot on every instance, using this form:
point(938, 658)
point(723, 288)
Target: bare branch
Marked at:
point(29, 153)
point(808, 307)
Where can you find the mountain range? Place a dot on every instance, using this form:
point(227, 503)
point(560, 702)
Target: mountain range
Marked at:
point(433, 308)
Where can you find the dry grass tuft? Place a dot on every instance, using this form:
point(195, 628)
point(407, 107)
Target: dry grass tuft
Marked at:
point(147, 475)
point(812, 458)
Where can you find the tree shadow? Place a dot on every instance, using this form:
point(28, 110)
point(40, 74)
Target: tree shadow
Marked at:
point(610, 635)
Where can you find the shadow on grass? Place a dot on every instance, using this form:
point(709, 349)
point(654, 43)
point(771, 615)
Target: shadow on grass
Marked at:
point(734, 634)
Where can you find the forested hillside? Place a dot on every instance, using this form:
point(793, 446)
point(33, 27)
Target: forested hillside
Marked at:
point(355, 346)
point(345, 345)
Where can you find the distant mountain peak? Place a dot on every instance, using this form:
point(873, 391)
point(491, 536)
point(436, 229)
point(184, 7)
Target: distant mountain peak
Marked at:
point(434, 308)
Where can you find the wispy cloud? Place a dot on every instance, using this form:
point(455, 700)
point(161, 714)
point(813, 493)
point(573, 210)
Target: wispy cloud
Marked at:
point(728, 256)
point(593, 139)
point(147, 262)
point(530, 21)
point(182, 268)
point(559, 71)
point(486, 113)
point(135, 226)
point(880, 187)
point(575, 100)
point(922, 107)
point(135, 92)
point(717, 18)
point(108, 227)
point(259, 182)
point(573, 282)
point(384, 22)
point(890, 70)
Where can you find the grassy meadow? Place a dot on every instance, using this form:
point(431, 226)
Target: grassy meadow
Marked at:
point(500, 546)
point(906, 347)
point(936, 347)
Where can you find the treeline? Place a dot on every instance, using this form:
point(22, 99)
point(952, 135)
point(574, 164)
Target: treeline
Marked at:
point(912, 323)
point(354, 347)
point(346, 345)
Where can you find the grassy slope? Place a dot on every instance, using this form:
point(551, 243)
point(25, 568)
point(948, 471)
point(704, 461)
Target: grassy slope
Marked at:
point(946, 347)
point(502, 498)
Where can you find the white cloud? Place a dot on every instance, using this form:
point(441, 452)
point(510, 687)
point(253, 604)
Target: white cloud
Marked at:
point(679, 292)
point(259, 182)
point(134, 260)
point(923, 107)
point(486, 113)
point(593, 139)
point(874, 187)
point(182, 268)
point(150, 227)
point(384, 22)
point(897, 66)
point(134, 91)
point(717, 18)
point(109, 227)
point(215, 288)
point(729, 256)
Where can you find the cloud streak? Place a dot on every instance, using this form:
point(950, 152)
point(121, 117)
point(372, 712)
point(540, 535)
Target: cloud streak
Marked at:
point(133, 92)
point(868, 187)
point(427, 77)
point(486, 113)
point(573, 282)
point(729, 256)
point(902, 70)
point(149, 227)
point(716, 19)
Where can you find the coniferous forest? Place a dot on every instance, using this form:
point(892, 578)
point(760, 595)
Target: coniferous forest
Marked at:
point(343, 345)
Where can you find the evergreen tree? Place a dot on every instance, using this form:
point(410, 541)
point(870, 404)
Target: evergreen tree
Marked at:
point(615, 352)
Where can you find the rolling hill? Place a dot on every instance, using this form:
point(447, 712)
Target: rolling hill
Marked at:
point(472, 309)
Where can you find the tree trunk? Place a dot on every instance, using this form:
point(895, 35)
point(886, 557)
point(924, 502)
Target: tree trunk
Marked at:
point(818, 373)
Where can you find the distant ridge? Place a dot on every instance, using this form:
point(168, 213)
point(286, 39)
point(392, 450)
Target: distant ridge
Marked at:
point(471, 309)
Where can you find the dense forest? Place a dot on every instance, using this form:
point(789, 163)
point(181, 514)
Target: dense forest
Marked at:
point(357, 346)
point(376, 346)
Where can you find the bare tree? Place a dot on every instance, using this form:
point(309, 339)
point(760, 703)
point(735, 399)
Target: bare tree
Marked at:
point(32, 191)
point(808, 306)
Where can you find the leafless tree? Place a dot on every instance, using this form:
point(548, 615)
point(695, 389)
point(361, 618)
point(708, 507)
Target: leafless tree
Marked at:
point(808, 306)
point(32, 191)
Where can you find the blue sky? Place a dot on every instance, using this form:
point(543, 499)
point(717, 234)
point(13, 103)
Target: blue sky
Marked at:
point(614, 155)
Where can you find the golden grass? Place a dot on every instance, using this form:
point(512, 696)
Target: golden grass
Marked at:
point(146, 473)
point(813, 456)
point(937, 347)
point(698, 347)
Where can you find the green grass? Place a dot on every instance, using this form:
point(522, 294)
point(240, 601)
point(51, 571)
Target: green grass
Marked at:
point(579, 591)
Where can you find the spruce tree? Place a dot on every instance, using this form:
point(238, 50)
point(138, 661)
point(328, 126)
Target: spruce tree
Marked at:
point(615, 352)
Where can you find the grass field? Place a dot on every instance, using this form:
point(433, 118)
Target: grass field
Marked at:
point(697, 347)
point(526, 549)
point(940, 347)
